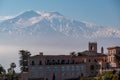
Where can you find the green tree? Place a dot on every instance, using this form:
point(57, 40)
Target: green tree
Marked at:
point(11, 71)
point(2, 70)
point(24, 57)
point(117, 58)
point(73, 53)
point(119, 75)
point(13, 65)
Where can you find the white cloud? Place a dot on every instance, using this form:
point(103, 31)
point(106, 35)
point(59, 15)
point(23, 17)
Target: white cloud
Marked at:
point(5, 17)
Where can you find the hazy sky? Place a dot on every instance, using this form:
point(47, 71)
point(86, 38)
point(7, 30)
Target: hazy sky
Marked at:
point(100, 12)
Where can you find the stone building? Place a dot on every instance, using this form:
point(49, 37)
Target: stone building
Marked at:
point(112, 51)
point(42, 67)
point(95, 61)
point(64, 67)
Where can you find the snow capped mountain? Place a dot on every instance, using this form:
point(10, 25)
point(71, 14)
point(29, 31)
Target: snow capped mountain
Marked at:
point(36, 23)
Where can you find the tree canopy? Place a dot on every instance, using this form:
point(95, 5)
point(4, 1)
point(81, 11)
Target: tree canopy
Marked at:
point(24, 56)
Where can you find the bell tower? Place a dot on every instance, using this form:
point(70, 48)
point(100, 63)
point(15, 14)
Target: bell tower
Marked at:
point(92, 47)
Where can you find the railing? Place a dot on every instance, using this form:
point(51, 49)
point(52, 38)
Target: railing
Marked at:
point(56, 63)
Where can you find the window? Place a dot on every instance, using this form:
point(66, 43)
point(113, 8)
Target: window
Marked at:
point(67, 61)
point(97, 66)
point(77, 73)
point(63, 68)
point(114, 59)
point(41, 71)
point(82, 74)
point(77, 68)
point(114, 51)
point(89, 60)
point(48, 71)
point(63, 62)
point(40, 68)
point(111, 59)
point(53, 62)
point(92, 67)
point(109, 52)
point(73, 62)
point(58, 61)
point(55, 69)
point(33, 71)
point(82, 68)
point(72, 67)
point(67, 68)
point(63, 73)
point(48, 62)
point(72, 74)
point(33, 63)
point(47, 68)
point(95, 60)
point(40, 62)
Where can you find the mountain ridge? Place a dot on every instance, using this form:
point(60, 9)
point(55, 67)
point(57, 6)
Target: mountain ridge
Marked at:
point(40, 23)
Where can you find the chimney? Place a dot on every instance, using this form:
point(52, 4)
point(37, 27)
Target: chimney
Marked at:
point(102, 50)
point(41, 53)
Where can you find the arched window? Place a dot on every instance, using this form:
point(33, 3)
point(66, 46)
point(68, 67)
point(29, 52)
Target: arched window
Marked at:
point(89, 60)
point(95, 60)
point(53, 62)
point(92, 67)
point(58, 61)
point(68, 61)
point(33, 63)
point(63, 62)
point(40, 62)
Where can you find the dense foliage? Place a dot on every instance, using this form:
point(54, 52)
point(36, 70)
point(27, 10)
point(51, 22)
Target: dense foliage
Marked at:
point(24, 56)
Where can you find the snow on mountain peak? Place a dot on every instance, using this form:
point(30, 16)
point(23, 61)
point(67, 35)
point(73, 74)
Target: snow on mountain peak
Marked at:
point(48, 14)
point(28, 14)
point(54, 14)
point(39, 22)
point(91, 25)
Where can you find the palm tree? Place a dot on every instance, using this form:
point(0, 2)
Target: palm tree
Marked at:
point(24, 56)
point(11, 71)
point(13, 65)
point(2, 71)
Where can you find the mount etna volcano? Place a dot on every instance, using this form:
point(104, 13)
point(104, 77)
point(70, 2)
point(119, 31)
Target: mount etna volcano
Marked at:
point(36, 23)
point(52, 29)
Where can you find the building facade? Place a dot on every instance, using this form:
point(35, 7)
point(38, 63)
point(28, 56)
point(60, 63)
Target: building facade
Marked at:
point(95, 61)
point(112, 51)
point(44, 67)
point(64, 67)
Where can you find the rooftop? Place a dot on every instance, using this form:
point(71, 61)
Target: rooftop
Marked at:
point(114, 47)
